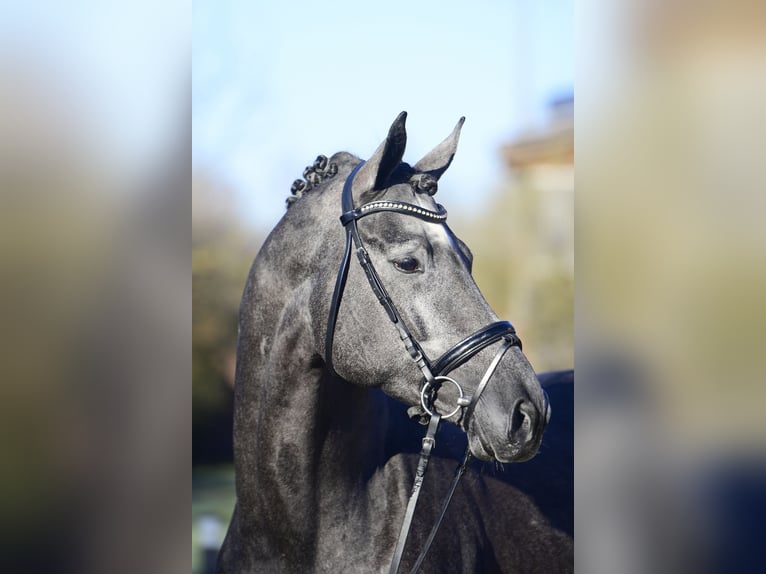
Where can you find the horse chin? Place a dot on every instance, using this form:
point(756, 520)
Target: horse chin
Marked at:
point(479, 450)
point(482, 449)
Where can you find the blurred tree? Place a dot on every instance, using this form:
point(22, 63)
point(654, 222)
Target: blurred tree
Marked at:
point(222, 251)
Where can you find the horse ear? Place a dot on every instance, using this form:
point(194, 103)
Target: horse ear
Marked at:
point(374, 174)
point(438, 159)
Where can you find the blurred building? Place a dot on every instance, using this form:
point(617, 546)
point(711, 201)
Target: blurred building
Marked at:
point(525, 246)
point(542, 191)
point(540, 236)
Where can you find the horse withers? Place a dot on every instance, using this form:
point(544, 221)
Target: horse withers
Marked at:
point(333, 313)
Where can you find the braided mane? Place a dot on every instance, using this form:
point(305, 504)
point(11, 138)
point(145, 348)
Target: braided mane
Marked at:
point(323, 169)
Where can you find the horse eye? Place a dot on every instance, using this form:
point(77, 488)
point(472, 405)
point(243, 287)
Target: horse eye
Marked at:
point(407, 264)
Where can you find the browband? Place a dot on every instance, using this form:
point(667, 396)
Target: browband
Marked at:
point(397, 207)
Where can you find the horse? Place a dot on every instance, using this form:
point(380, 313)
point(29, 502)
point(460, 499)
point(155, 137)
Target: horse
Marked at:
point(329, 353)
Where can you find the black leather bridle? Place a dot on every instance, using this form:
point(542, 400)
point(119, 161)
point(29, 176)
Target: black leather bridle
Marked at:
point(434, 373)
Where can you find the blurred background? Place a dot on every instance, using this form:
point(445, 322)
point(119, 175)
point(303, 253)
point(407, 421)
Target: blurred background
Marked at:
point(95, 295)
point(274, 85)
point(101, 143)
point(670, 472)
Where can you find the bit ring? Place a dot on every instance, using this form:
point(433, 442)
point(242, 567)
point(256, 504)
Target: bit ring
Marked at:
point(460, 401)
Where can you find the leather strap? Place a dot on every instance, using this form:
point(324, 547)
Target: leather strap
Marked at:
point(484, 380)
point(459, 472)
point(337, 295)
point(401, 207)
point(429, 441)
point(473, 344)
point(340, 281)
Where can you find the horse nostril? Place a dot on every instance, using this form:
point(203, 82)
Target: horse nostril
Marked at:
point(547, 408)
point(523, 421)
point(517, 418)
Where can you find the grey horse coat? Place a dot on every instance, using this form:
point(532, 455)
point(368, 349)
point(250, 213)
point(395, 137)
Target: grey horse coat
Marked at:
point(323, 459)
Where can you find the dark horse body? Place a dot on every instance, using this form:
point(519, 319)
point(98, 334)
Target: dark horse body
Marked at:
point(323, 462)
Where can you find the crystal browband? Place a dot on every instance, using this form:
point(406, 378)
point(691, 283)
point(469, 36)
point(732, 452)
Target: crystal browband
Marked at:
point(397, 207)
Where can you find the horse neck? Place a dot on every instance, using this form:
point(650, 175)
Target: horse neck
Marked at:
point(302, 437)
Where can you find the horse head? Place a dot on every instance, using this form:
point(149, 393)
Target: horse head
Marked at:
point(424, 272)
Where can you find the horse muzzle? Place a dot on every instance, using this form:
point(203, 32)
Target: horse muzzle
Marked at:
point(515, 438)
point(508, 424)
point(510, 434)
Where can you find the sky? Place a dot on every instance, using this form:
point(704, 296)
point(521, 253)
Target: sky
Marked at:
point(275, 84)
point(120, 70)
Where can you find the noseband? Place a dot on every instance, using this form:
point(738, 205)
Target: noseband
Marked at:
point(434, 373)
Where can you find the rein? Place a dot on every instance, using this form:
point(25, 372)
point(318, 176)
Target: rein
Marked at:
point(434, 374)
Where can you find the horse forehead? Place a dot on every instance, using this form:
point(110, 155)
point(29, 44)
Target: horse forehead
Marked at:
point(434, 232)
point(438, 234)
point(400, 225)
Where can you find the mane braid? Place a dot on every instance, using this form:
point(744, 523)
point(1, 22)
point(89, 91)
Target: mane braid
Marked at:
point(314, 175)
